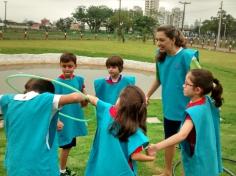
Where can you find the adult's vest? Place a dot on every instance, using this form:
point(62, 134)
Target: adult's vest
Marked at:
point(71, 127)
point(172, 72)
point(110, 92)
point(206, 159)
point(30, 131)
point(110, 156)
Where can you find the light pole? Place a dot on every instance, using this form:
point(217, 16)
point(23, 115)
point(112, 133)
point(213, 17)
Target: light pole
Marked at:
point(199, 29)
point(120, 34)
point(224, 29)
point(184, 3)
point(219, 26)
point(119, 11)
point(5, 21)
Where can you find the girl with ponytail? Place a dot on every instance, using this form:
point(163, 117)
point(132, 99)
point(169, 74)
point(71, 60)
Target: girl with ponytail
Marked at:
point(199, 134)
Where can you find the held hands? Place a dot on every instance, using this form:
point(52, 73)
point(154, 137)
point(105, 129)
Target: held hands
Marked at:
point(84, 103)
point(151, 150)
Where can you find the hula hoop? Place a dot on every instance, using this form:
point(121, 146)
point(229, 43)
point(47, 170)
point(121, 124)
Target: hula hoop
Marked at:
point(22, 75)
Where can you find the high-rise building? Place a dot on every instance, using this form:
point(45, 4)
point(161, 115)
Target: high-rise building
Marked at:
point(151, 8)
point(173, 18)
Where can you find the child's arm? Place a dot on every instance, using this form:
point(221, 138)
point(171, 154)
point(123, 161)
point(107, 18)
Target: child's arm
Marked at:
point(175, 139)
point(71, 98)
point(142, 157)
point(152, 89)
point(92, 99)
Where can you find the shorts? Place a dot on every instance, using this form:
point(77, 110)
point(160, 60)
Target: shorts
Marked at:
point(171, 127)
point(70, 145)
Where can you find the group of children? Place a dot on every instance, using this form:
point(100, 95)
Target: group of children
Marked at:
point(34, 129)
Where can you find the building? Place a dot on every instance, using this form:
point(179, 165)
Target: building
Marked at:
point(173, 18)
point(151, 8)
point(177, 17)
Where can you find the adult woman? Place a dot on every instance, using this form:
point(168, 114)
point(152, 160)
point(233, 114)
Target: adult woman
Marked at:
point(173, 61)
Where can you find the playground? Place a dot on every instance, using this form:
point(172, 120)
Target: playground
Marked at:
point(221, 63)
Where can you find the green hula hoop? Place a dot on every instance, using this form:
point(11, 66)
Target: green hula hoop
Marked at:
point(21, 75)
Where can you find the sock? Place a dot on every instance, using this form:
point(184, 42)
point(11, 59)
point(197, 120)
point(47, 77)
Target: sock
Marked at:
point(62, 171)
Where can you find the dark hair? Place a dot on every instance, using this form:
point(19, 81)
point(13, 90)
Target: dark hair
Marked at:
point(205, 80)
point(172, 33)
point(39, 85)
point(131, 113)
point(115, 61)
point(67, 57)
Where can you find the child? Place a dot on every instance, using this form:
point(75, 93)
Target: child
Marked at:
point(71, 129)
point(30, 127)
point(199, 134)
point(120, 136)
point(108, 89)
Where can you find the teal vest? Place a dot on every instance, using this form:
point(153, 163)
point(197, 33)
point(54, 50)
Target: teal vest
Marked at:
point(206, 159)
point(30, 132)
point(109, 156)
point(172, 74)
point(71, 127)
point(110, 92)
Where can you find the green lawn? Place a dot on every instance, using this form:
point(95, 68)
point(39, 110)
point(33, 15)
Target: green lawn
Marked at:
point(223, 65)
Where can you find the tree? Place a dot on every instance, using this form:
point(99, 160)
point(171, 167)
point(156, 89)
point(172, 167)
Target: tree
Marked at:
point(122, 22)
point(227, 26)
point(64, 24)
point(145, 26)
point(94, 16)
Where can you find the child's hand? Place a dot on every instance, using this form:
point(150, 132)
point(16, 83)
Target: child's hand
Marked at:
point(60, 125)
point(151, 150)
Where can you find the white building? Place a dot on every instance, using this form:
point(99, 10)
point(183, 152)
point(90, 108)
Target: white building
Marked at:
point(173, 18)
point(151, 8)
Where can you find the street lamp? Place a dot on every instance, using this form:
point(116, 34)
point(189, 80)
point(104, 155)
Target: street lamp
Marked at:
point(184, 3)
point(5, 21)
point(224, 29)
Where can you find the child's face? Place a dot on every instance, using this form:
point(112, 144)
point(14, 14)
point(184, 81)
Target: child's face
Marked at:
point(68, 68)
point(113, 71)
point(188, 86)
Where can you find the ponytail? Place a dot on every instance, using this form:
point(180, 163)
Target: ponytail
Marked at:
point(205, 80)
point(216, 92)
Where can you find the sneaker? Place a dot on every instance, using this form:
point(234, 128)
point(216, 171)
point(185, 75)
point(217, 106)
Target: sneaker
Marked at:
point(67, 173)
point(64, 174)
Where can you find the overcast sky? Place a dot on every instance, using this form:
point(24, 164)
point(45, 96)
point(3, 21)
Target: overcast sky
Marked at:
point(19, 10)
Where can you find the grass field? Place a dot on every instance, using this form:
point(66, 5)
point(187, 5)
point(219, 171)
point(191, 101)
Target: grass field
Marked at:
point(223, 65)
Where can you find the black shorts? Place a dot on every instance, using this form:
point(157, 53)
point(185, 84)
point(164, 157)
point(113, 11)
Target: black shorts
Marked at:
point(70, 145)
point(171, 127)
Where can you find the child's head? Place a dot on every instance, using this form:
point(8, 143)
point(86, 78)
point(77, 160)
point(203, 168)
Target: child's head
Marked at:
point(131, 112)
point(68, 64)
point(203, 82)
point(39, 85)
point(115, 61)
